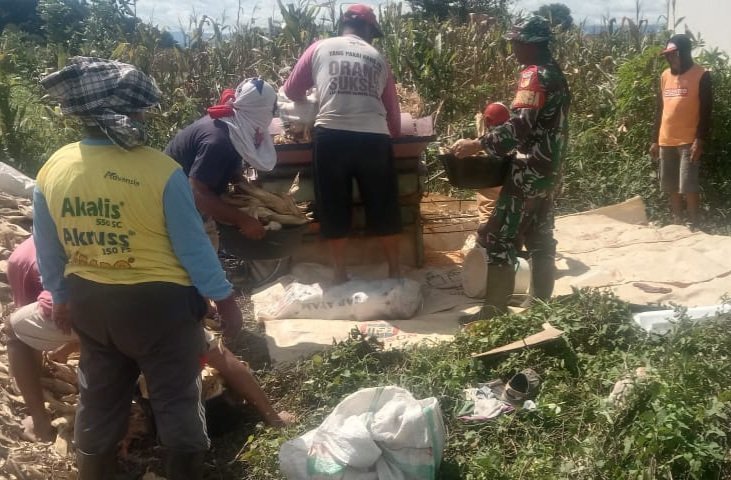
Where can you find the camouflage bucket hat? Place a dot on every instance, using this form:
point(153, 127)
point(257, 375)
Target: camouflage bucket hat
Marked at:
point(535, 29)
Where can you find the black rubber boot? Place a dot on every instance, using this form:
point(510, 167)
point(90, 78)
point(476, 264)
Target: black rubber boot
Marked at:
point(184, 465)
point(498, 290)
point(543, 278)
point(96, 466)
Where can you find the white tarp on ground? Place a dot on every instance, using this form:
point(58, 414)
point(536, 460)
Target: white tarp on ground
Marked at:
point(612, 247)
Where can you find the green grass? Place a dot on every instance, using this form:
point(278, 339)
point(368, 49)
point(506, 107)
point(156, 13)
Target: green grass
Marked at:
point(673, 425)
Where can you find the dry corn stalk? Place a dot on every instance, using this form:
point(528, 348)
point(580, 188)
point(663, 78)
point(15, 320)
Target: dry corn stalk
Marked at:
point(58, 386)
point(137, 428)
point(267, 215)
point(480, 124)
point(289, 219)
point(16, 215)
point(240, 200)
point(410, 101)
point(56, 405)
point(63, 372)
point(212, 383)
point(267, 206)
point(279, 203)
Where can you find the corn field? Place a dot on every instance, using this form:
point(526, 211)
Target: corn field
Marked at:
point(454, 67)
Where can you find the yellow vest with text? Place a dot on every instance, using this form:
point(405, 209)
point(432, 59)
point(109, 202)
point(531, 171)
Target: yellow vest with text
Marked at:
point(107, 204)
point(681, 106)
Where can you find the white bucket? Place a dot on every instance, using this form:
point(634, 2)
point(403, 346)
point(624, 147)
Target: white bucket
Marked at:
point(475, 271)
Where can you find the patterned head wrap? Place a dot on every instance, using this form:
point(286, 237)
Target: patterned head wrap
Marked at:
point(103, 93)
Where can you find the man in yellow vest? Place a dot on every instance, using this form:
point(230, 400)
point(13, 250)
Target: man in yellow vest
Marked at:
point(122, 251)
point(682, 126)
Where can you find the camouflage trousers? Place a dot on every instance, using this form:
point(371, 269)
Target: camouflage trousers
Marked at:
point(523, 217)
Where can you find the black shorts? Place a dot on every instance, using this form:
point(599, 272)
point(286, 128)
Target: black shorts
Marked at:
point(342, 156)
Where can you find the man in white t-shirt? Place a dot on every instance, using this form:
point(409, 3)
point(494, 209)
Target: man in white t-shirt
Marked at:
point(358, 114)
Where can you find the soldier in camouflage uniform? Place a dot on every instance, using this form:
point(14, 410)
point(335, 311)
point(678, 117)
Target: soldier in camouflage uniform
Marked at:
point(536, 135)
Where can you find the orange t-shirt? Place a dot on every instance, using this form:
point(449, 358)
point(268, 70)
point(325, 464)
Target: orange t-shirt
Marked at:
point(681, 106)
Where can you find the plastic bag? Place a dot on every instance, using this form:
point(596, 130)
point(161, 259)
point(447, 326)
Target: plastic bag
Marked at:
point(379, 433)
point(14, 182)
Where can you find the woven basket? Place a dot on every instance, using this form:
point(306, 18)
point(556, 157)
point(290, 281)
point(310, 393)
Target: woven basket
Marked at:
point(475, 172)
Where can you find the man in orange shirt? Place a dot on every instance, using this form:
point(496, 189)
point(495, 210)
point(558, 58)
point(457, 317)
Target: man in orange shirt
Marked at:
point(682, 126)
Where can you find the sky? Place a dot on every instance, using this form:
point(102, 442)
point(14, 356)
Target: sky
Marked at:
point(173, 13)
point(594, 10)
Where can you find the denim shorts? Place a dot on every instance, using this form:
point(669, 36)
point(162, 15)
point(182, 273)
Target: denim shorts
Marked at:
point(677, 173)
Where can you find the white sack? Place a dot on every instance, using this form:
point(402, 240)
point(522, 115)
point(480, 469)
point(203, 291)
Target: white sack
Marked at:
point(303, 112)
point(379, 433)
point(14, 182)
point(354, 300)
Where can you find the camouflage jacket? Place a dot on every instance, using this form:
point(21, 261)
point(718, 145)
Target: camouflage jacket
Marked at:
point(537, 128)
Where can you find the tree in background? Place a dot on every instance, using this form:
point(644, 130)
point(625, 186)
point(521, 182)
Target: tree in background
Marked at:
point(460, 9)
point(558, 13)
point(21, 13)
point(63, 22)
point(109, 22)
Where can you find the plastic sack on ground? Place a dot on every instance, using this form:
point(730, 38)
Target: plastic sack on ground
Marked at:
point(14, 182)
point(379, 433)
point(394, 299)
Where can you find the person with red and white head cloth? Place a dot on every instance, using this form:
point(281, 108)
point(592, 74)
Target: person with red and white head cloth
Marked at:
point(214, 150)
point(358, 114)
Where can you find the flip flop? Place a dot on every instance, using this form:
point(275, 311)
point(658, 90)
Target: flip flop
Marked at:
point(523, 386)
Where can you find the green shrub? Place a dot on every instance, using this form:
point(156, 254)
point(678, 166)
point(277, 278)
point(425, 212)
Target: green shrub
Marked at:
point(674, 423)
